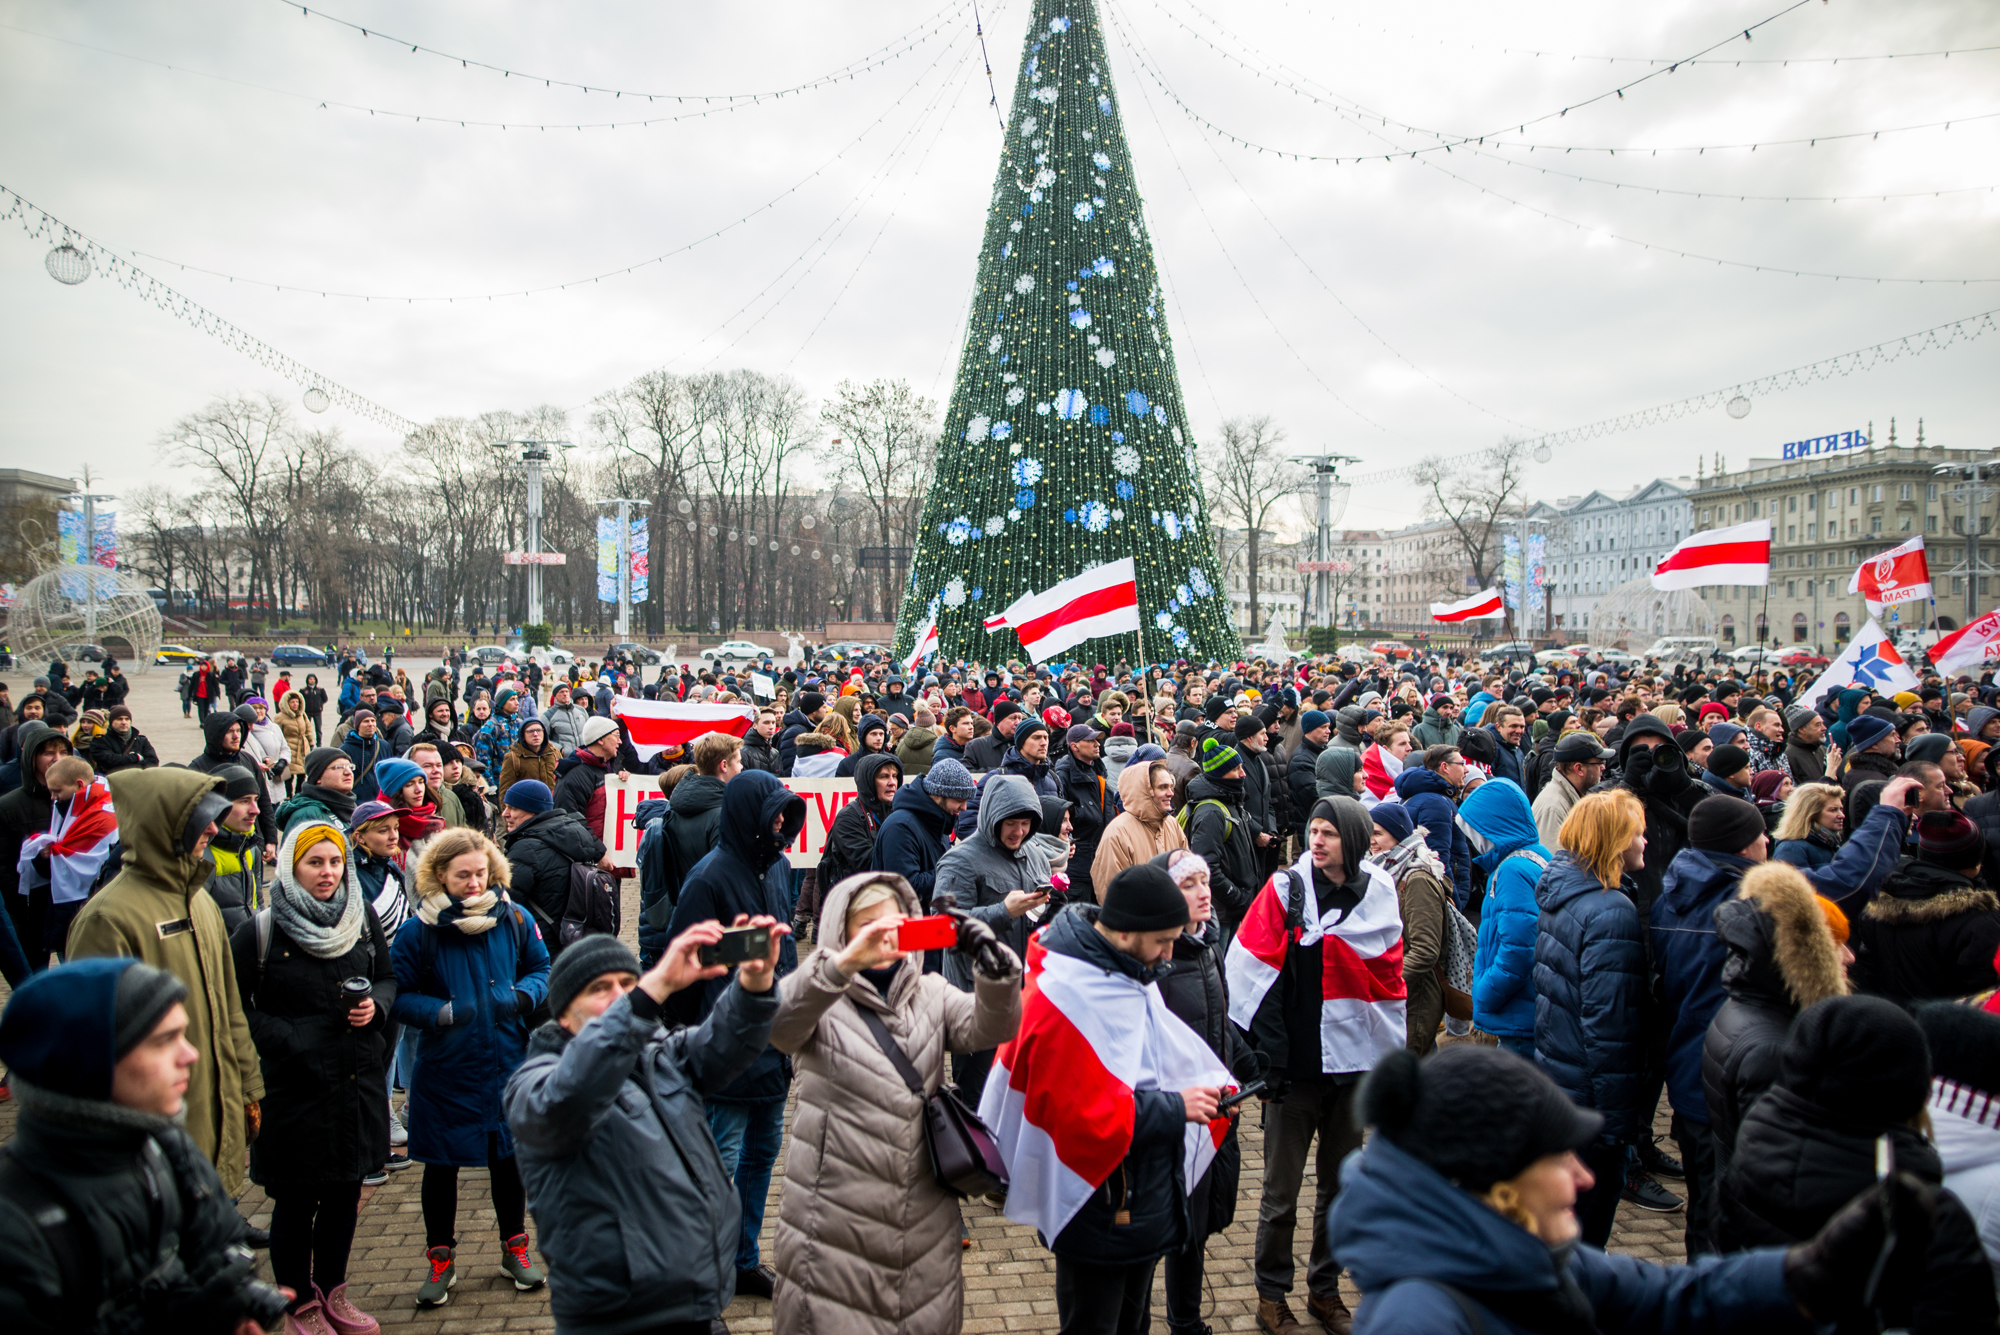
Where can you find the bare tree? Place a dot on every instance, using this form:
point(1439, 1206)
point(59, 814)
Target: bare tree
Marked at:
point(885, 450)
point(237, 445)
point(1248, 479)
point(1477, 501)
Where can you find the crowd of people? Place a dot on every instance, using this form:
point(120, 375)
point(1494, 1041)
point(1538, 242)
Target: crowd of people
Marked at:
point(1491, 915)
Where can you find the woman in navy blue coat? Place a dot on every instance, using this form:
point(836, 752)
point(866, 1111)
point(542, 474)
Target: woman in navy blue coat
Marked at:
point(470, 968)
point(1590, 986)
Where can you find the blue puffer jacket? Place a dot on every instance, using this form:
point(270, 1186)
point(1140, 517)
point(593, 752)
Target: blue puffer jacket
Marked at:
point(1688, 957)
point(1807, 854)
point(468, 997)
point(1402, 1230)
point(1590, 984)
point(747, 873)
point(1427, 797)
point(1503, 984)
point(655, 877)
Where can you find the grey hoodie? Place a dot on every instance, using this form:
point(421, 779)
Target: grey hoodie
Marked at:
point(1118, 754)
point(981, 871)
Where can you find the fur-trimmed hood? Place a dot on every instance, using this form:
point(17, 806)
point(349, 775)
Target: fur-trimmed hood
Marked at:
point(1780, 947)
point(1923, 892)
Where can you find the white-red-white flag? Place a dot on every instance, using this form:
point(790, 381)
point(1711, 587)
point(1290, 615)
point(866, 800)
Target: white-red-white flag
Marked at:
point(656, 725)
point(77, 843)
point(1059, 1097)
point(1737, 555)
point(1900, 575)
point(994, 623)
point(1101, 601)
point(1363, 1001)
point(927, 643)
point(1969, 647)
point(1475, 608)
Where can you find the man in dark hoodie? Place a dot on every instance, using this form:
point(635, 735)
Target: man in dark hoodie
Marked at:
point(24, 813)
point(918, 829)
point(689, 825)
point(984, 754)
point(747, 875)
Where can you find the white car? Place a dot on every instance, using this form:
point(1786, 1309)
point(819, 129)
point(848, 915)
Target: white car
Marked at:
point(1618, 656)
point(549, 657)
point(739, 651)
point(487, 655)
point(1548, 656)
point(1755, 653)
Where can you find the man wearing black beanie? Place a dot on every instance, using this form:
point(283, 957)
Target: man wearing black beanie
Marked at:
point(1725, 839)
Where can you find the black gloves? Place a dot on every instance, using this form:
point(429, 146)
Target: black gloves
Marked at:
point(1872, 1252)
point(989, 958)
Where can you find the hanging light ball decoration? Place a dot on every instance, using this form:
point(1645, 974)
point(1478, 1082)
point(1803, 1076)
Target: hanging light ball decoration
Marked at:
point(1739, 407)
point(1543, 454)
point(51, 611)
point(316, 399)
point(685, 506)
point(809, 522)
point(67, 265)
point(774, 544)
point(815, 553)
point(795, 550)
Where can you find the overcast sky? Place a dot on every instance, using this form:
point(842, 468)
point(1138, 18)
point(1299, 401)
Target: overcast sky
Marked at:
point(1491, 318)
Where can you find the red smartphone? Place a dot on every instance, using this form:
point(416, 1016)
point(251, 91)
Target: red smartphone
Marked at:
point(937, 932)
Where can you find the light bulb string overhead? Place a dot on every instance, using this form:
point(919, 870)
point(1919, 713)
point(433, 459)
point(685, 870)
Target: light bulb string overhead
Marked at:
point(41, 225)
point(929, 27)
point(1935, 339)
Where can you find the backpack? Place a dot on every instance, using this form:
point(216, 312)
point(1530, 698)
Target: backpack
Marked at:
point(1185, 816)
point(594, 907)
point(1454, 970)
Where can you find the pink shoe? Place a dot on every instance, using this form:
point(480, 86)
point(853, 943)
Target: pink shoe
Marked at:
point(310, 1319)
point(344, 1316)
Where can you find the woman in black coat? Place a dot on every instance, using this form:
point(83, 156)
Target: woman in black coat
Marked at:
point(324, 1055)
point(1193, 989)
point(314, 696)
point(1854, 1070)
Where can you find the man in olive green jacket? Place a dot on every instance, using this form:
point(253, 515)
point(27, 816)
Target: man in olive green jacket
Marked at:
point(158, 910)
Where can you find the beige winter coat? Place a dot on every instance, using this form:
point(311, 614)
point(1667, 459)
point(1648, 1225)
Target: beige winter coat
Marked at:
point(867, 1239)
point(1139, 833)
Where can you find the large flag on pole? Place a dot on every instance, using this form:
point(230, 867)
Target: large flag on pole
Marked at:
point(1060, 1095)
point(1899, 575)
point(927, 643)
point(1475, 608)
point(1965, 649)
point(1868, 660)
point(1101, 601)
point(1737, 555)
point(656, 725)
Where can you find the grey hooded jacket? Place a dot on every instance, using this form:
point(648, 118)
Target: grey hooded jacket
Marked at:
point(981, 871)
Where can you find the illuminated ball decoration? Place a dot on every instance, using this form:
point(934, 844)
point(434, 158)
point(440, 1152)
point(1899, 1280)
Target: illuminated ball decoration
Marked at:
point(1739, 407)
point(1066, 444)
point(67, 265)
point(316, 400)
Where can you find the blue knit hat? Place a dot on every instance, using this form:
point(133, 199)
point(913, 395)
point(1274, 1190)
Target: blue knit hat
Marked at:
point(64, 1029)
point(393, 774)
point(1395, 818)
point(529, 795)
point(1865, 731)
point(1313, 720)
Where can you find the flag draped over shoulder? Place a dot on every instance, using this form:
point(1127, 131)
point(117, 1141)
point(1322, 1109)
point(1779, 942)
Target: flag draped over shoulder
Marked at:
point(77, 842)
point(1059, 1098)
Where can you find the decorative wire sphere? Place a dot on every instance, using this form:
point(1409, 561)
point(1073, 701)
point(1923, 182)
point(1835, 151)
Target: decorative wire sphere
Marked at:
point(1543, 454)
point(810, 521)
point(685, 506)
point(1635, 614)
point(836, 558)
point(316, 399)
point(795, 550)
point(48, 614)
point(1739, 407)
point(67, 265)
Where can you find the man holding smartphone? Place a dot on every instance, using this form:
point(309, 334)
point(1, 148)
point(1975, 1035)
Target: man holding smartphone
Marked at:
point(595, 1166)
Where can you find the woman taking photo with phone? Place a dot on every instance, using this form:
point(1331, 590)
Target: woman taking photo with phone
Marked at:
point(317, 986)
point(854, 1014)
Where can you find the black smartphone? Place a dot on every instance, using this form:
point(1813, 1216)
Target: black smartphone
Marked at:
point(1249, 1091)
point(737, 945)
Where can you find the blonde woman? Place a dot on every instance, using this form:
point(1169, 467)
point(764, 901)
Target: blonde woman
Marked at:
point(470, 968)
point(1814, 824)
point(1670, 715)
point(1590, 985)
point(866, 1237)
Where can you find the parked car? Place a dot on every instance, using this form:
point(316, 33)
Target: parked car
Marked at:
point(1618, 656)
point(1755, 653)
point(177, 653)
point(488, 655)
point(638, 653)
point(1509, 649)
point(1686, 648)
point(300, 655)
point(1390, 649)
point(224, 657)
point(1548, 656)
point(1803, 656)
point(81, 653)
point(738, 651)
point(549, 656)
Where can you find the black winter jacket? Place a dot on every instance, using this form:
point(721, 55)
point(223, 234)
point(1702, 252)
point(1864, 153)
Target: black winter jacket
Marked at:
point(1930, 934)
point(1220, 831)
point(758, 753)
point(912, 839)
point(1300, 784)
point(540, 851)
point(1093, 799)
point(326, 1084)
point(691, 827)
point(1192, 987)
point(850, 840)
point(109, 752)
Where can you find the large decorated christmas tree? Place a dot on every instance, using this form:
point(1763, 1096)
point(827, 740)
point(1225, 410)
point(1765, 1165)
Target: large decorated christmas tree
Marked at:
point(1067, 444)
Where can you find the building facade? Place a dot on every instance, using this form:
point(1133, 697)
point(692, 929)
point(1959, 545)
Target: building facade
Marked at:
point(1601, 540)
point(1831, 510)
point(1280, 585)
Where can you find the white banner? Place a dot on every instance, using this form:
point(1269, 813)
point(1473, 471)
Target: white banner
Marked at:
point(824, 799)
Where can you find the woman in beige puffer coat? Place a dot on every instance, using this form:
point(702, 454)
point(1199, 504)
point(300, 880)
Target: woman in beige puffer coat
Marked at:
point(867, 1239)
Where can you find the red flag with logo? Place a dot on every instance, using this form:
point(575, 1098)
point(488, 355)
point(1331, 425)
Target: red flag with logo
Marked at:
point(1899, 575)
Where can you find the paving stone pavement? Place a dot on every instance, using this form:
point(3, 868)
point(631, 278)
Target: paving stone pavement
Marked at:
point(1009, 1276)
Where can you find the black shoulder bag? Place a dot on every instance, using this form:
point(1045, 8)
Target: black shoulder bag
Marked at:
point(965, 1158)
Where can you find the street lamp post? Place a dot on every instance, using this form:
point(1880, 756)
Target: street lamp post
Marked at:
point(1972, 493)
point(534, 455)
point(1325, 468)
point(86, 554)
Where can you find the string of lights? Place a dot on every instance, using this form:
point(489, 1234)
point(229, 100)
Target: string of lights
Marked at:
point(1935, 339)
point(85, 256)
point(1445, 142)
point(388, 113)
point(1727, 262)
point(590, 279)
point(1638, 188)
point(923, 32)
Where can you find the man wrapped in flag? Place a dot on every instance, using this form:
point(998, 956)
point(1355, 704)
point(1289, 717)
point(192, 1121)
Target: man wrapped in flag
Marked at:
point(70, 857)
point(1315, 976)
point(1104, 1105)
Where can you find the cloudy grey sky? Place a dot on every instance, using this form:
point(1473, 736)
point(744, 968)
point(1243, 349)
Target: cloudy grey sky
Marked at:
point(1487, 317)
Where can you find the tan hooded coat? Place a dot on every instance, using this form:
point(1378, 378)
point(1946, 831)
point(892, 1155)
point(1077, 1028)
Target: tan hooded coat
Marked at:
point(1140, 832)
point(867, 1239)
point(162, 890)
point(298, 729)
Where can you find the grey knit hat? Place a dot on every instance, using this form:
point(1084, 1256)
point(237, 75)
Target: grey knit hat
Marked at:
point(948, 778)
